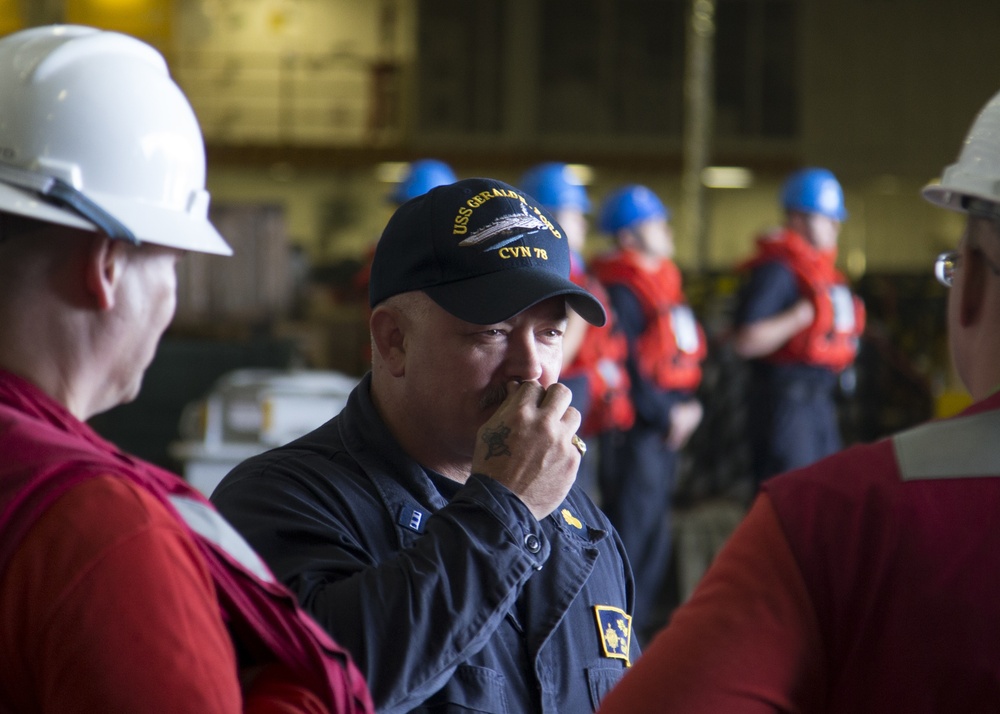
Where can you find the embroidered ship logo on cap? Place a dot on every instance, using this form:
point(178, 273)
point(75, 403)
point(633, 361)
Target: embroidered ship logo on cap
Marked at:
point(506, 229)
point(614, 628)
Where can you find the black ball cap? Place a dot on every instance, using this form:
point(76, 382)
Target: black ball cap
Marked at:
point(481, 249)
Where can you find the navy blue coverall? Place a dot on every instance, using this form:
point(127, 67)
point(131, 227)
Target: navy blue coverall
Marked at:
point(450, 597)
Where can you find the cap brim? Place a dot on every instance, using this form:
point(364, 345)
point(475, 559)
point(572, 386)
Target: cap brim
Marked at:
point(150, 224)
point(26, 203)
point(495, 297)
point(934, 193)
point(162, 226)
point(948, 197)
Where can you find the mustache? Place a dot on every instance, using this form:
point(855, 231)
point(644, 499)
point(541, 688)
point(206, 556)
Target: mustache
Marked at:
point(493, 397)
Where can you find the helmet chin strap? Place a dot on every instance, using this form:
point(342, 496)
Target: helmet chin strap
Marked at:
point(64, 195)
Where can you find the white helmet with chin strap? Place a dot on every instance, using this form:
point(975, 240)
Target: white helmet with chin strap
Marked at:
point(974, 180)
point(95, 134)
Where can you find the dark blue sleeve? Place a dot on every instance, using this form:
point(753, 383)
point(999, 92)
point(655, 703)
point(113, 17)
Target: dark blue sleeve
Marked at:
point(770, 289)
point(409, 616)
point(652, 404)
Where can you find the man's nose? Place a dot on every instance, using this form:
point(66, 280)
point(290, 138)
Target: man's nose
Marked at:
point(524, 362)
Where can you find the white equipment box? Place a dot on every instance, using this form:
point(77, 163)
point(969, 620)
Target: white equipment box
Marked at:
point(250, 411)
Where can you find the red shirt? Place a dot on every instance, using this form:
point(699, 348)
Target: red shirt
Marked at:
point(110, 602)
point(864, 583)
point(107, 606)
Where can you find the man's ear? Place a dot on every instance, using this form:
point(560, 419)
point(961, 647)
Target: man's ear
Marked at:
point(104, 262)
point(972, 287)
point(388, 332)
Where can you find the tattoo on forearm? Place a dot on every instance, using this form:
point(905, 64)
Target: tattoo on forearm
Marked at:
point(496, 441)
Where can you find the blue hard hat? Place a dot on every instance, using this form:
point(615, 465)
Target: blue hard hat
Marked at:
point(814, 191)
point(421, 177)
point(628, 205)
point(553, 185)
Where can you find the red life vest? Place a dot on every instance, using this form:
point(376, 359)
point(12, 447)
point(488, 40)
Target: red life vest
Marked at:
point(601, 359)
point(47, 451)
point(672, 347)
point(831, 340)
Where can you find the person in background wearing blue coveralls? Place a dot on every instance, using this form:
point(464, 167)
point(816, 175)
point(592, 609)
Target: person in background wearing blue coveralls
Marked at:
point(593, 357)
point(666, 346)
point(798, 324)
point(434, 523)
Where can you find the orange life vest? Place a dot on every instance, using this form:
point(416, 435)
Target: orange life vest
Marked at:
point(831, 340)
point(672, 347)
point(601, 359)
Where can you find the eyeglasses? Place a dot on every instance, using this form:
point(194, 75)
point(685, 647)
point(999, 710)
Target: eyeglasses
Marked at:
point(944, 267)
point(947, 262)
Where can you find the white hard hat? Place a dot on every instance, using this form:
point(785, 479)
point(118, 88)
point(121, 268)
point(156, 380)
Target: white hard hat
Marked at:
point(976, 174)
point(95, 134)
